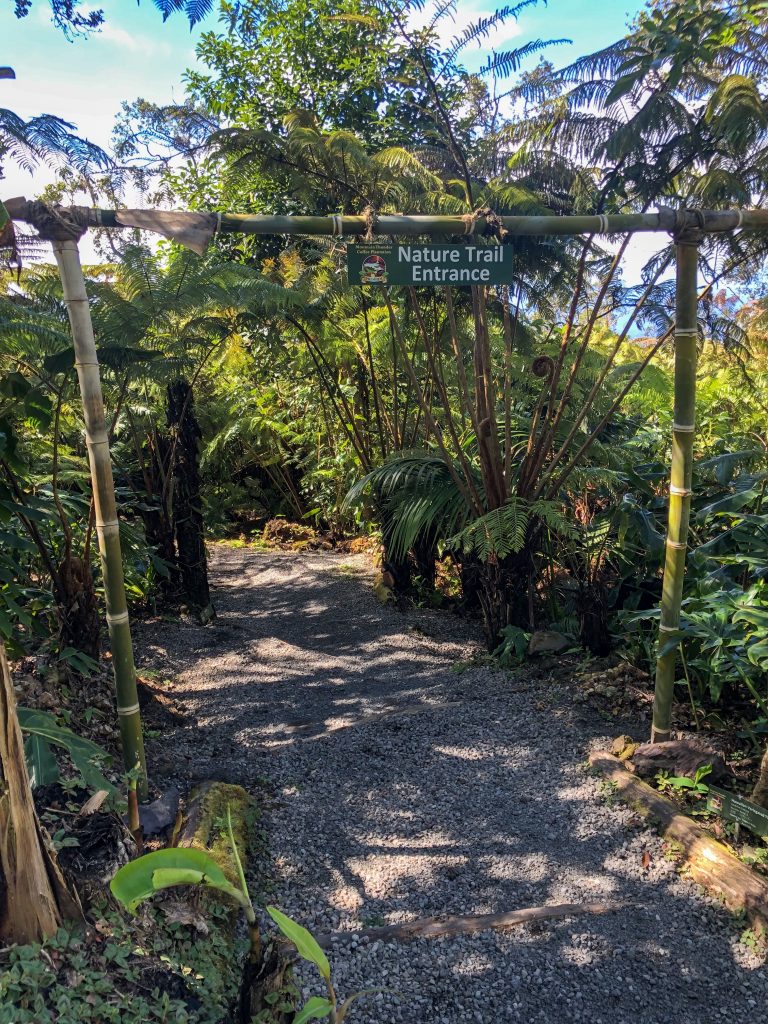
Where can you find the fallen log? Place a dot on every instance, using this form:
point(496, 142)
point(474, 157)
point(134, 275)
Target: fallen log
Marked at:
point(432, 927)
point(705, 860)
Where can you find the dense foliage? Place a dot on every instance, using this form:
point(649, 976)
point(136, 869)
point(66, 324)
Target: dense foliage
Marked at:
point(519, 434)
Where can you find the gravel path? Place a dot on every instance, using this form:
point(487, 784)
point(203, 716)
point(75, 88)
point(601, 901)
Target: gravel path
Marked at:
point(477, 804)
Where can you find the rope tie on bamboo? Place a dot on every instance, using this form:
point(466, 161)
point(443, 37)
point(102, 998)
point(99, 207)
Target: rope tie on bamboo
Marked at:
point(493, 227)
point(57, 223)
point(124, 712)
point(678, 545)
point(684, 428)
point(337, 225)
point(669, 629)
point(109, 524)
point(681, 492)
point(470, 222)
point(371, 219)
point(686, 332)
point(116, 620)
point(604, 224)
point(688, 227)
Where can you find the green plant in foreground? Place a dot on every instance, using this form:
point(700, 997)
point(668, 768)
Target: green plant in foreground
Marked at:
point(682, 783)
point(513, 647)
point(42, 730)
point(142, 878)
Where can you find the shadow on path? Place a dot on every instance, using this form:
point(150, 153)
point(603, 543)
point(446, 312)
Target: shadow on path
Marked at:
point(477, 803)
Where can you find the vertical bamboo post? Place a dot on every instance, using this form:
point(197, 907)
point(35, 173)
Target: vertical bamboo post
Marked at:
point(107, 527)
point(686, 344)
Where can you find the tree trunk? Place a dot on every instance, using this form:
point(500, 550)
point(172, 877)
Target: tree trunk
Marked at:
point(77, 607)
point(593, 619)
point(470, 568)
point(400, 571)
point(187, 510)
point(425, 556)
point(158, 527)
point(760, 792)
point(503, 593)
point(34, 898)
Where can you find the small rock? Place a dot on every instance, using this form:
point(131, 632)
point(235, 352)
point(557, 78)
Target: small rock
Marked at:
point(547, 641)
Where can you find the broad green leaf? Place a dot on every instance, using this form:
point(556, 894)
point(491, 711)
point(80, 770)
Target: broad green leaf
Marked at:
point(82, 751)
point(15, 543)
point(143, 877)
point(315, 1008)
point(305, 943)
point(754, 616)
point(758, 654)
point(41, 764)
point(164, 878)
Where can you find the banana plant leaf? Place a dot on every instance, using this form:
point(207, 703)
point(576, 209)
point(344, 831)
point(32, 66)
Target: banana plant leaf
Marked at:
point(83, 752)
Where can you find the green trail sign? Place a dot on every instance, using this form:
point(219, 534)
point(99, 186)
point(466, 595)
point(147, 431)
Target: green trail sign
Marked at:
point(463, 265)
point(739, 809)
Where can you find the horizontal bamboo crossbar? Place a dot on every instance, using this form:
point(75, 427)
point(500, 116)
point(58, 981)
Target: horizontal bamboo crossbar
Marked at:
point(414, 225)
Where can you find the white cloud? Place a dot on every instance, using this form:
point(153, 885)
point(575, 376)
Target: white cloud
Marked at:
point(453, 25)
point(111, 33)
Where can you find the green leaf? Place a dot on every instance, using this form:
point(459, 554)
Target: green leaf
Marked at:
point(41, 764)
point(164, 878)
point(622, 86)
point(315, 1008)
point(754, 616)
point(143, 877)
point(305, 943)
point(82, 751)
point(60, 362)
point(15, 543)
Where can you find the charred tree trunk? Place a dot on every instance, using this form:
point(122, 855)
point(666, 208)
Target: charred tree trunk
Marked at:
point(158, 525)
point(470, 569)
point(77, 607)
point(400, 571)
point(425, 556)
point(503, 588)
point(593, 619)
point(187, 510)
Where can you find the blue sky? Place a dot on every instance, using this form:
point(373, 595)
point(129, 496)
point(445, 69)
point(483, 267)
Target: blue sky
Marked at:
point(136, 54)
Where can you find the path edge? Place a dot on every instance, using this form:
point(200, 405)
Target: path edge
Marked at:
point(702, 858)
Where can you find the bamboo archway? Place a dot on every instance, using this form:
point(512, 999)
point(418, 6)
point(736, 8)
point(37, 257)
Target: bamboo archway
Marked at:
point(64, 226)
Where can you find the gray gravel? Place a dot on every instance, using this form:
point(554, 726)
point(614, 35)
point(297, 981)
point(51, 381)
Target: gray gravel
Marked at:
point(478, 804)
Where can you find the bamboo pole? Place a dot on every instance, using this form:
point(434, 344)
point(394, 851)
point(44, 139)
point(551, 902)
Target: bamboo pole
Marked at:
point(686, 339)
point(107, 526)
point(194, 228)
point(412, 225)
